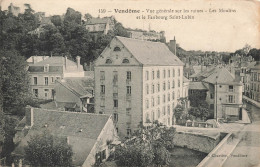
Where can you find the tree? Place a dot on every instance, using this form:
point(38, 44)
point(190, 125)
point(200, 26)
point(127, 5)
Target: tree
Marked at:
point(178, 112)
point(255, 53)
point(15, 81)
point(197, 97)
point(202, 111)
point(48, 150)
point(149, 147)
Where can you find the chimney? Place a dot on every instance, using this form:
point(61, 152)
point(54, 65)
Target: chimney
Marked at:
point(65, 62)
point(173, 45)
point(29, 116)
point(33, 59)
point(78, 62)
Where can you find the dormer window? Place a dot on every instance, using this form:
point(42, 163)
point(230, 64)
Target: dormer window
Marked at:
point(108, 61)
point(117, 49)
point(125, 61)
point(46, 68)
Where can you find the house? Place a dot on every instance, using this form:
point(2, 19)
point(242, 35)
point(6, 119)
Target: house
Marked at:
point(13, 10)
point(254, 92)
point(146, 35)
point(75, 94)
point(44, 73)
point(225, 95)
point(185, 93)
point(35, 59)
point(89, 135)
point(138, 82)
point(100, 24)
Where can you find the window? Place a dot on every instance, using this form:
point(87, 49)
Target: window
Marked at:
point(46, 93)
point(102, 75)
point(164, 73)
point(158, 74)
point(102, 102)
point(128, 90)
point(147, 117)
point(115, 89)
point(147, 75)
point(153, 88)
point(152, 102)
point(115, 103)
point(231, 99)
point(103, 89)
point(35, 92)
point(173, 84)
point(117, 49)
point(179, 72)
point(128, 75)
point(158, 113)
point(230, 87)
point(211, 96)
point(108, 61)
point(147, 89)
point(158, 100)
point(147, 103)
point(164, 86)
point(125, 61)
point(169, 85)
point(168, 110)
point(115, 117)
point(173, 73)
point(173, 95)
point(35, 80)
point(178, 94)
point(169, 97)
point(46, 80)
point(128, 131)
point(58, 78)
point(158, 87)
point(153, 75)
point(52, 79)
point(179, 83)
point(173, 106)
point(46, 68)
point(153, 116)
point(164, 98)
point(169, 73)
point(164, 112)
point(128, 104)
point(115, 77)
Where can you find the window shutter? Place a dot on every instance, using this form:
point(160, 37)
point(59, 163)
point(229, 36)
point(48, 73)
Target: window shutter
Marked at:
point(234, 99)
point(227, 98)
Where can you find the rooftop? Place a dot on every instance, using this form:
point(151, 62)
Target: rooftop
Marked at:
point(197, 86)
point(81, 129)
point(78, 85)
point(150, 53)
point(98, 20)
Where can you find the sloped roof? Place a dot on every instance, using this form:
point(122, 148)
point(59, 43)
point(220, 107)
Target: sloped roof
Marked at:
point(222, 76)
point(55, 61)
point(185, 80)
point(197, 86)
point(150, 53)
point(68, 125)
point(205, 73)
point(97, 20)
point(256, 66)
point(36, 58)
point(78, 85)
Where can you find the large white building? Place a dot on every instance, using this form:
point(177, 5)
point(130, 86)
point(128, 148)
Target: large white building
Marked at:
point(138, 82)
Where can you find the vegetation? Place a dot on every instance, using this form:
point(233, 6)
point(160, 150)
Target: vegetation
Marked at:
point(148, 147)
point(201, 111)
point(48, 150)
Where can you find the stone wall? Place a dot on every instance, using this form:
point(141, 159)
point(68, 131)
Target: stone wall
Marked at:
point(197, 142)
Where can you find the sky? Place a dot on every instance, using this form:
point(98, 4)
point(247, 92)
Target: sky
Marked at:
point(209, 30)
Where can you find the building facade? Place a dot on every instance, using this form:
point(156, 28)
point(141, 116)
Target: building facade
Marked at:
point(138, 82)
point(100, 24)
point(44, 73)
point(254, 92)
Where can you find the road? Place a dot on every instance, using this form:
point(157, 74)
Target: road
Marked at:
point(247, 152)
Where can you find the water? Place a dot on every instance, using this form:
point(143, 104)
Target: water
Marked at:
point(185, 157)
